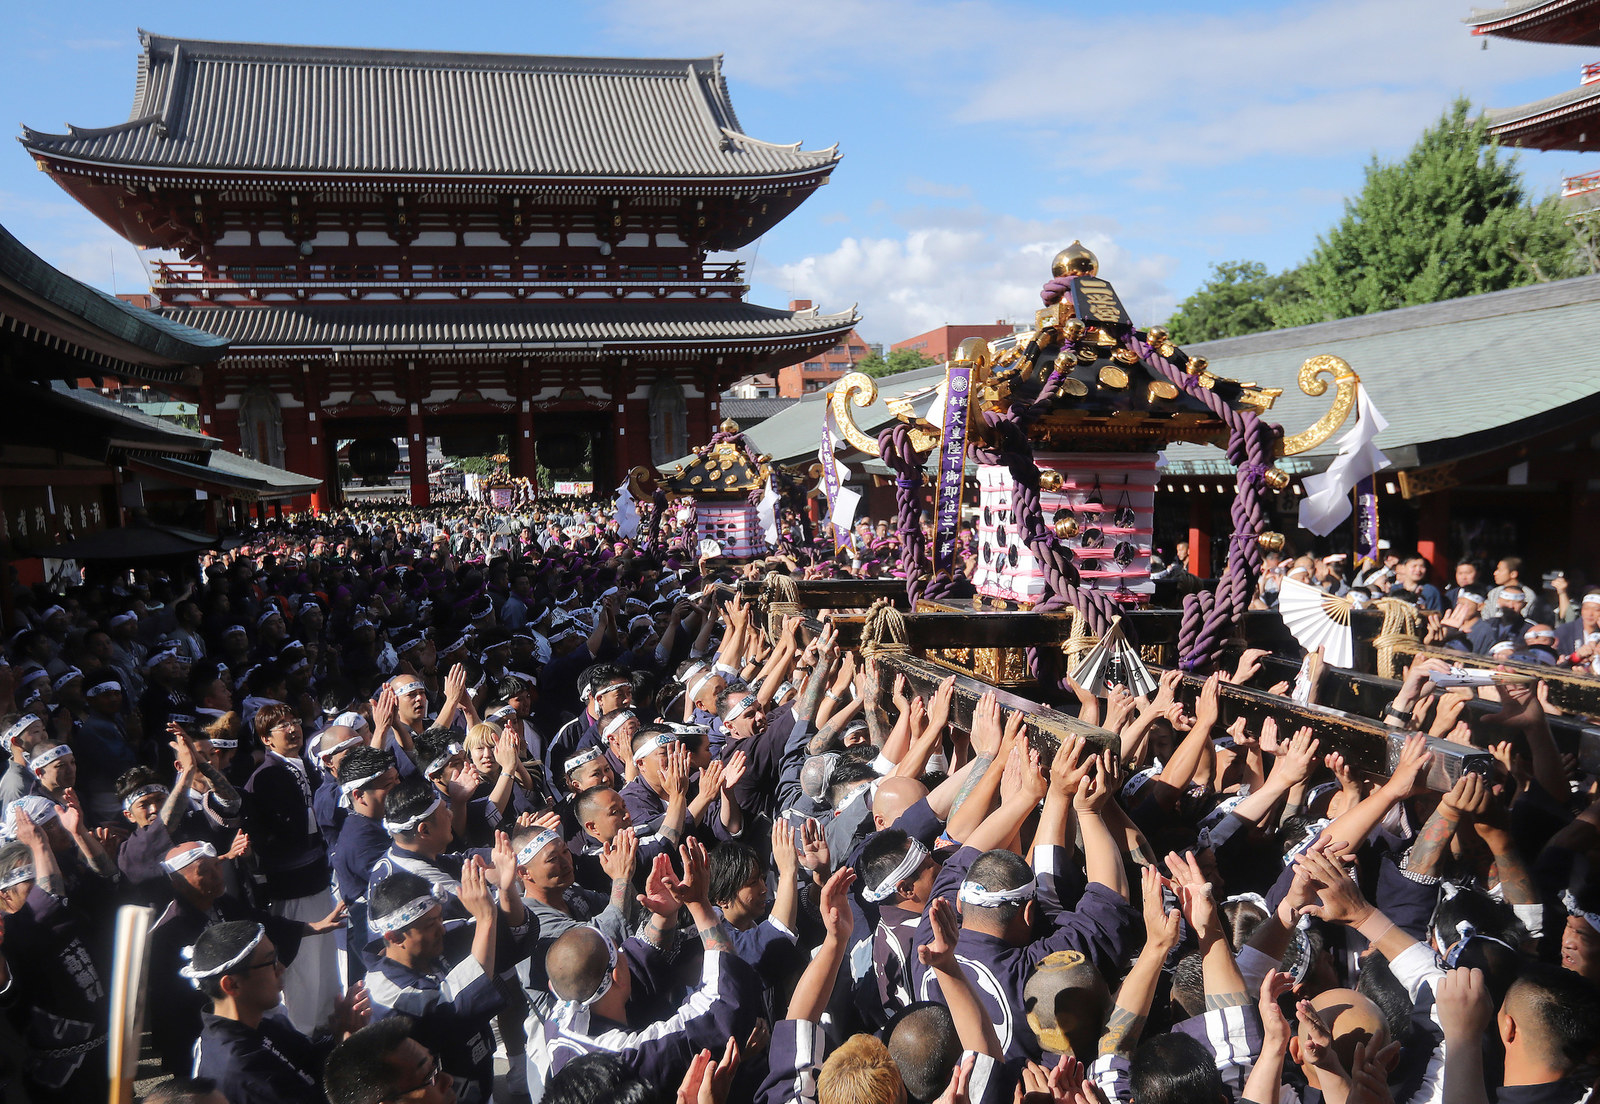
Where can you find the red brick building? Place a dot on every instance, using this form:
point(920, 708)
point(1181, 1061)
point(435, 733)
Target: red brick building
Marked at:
point(820, 369)
point(940, 344)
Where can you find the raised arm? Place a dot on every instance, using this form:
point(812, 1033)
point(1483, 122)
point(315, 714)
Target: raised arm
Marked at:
point(1224, 984)
point(811, 992)
point(1138, 990)
point(973, 1026)
point(1102, 858)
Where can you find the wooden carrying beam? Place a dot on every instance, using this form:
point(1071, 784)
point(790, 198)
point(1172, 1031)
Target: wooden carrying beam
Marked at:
point(1046, 727)
point(1571, 691)
point(1366, 695)
point(1368, 746)
point(816, 594)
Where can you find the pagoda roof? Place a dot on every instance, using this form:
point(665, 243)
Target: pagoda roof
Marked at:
point(524, 328)
point(96, 331)
point(247, 110)
point(1570, 22)
point(1562, 121)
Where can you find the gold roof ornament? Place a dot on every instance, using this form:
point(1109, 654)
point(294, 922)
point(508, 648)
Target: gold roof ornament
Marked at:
point(1075, 260)
point(729, 426)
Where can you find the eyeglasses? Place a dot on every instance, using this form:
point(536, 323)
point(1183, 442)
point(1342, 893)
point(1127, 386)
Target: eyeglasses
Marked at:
point(430, 1077)
point(275, 961)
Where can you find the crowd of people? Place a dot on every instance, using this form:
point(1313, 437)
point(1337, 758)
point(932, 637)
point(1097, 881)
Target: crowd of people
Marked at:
point(443, 804)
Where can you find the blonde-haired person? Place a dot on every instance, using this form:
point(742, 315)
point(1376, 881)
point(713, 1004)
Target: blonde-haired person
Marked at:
point(492, 750)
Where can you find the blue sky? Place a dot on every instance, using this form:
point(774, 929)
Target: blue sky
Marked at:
point(979, 137)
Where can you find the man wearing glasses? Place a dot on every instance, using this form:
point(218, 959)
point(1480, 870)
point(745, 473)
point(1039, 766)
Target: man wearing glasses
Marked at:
point(255, 1058)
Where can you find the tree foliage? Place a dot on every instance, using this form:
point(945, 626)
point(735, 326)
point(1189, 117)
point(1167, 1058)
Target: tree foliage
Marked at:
point(1241, 297)
point(901, 360)
point(1450, 219)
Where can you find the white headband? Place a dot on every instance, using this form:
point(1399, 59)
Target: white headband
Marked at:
point(740, 708)
point(103, 688)
point(18, 727)
point(140, 794)
point(223, 743)
point(18, 875)
point(654, 743)
point(974, 894)
point(196, 975)
point(395, 826)
point(535, 845)
point(403, 917)
point(694, 687)
point(587, 755)
point(65, 677)
point(1571, 903)
point(618, 721)
point(1591, 597)
point(915, 854)
point(347, 742)
point(188, 858)
point(569, 1006)
point(409, 688)
point(355, 784)
point(451, 750)
point(48, 756)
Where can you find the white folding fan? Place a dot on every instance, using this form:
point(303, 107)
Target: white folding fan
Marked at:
point(1318, 619)
point(1111, 662)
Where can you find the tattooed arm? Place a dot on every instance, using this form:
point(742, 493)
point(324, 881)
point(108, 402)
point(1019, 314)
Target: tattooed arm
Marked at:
point(1433, 842)
point(1127, 1018)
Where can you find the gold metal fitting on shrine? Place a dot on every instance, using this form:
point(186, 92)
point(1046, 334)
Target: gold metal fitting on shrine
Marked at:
point(1196, 365)
point(1156, 335)
point(1051, 480)
point(1066, 528)
point(1075, 260)
point(1271, 542)
point(1276, 478)
point(1073, 329)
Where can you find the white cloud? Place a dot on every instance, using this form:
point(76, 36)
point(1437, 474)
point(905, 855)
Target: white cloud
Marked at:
point(1141, 91)
point(977, 269)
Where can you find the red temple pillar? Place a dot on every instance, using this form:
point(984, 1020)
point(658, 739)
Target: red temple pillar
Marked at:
point(417, 457)
point(1433, 534)
point(319, 447)
point(1200, 536)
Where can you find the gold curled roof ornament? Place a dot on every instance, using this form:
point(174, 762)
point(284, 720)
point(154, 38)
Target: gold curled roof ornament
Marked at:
point(1311, 382)
point(860, 389)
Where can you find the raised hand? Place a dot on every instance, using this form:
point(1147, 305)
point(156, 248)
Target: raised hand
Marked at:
point(506, 749)
point(939, 953)
point(1194, 893)
point(939, 710)
point(455, 684)
point(814, 841)
point(1297, 761)
point(1070, 766)
point(1249, 663)
point(384, 707)
point(675, 774)
point(240, 847)
point(1465, 1008)
point(691, 888)
point(351, 1010)
point(986, 726)
point(657, 896)
point(1161, 924)
point(618, 857)
point(837, 919)
point(1410, 774)
point(1317, 1041)
point(1339, 899)
point(1274, 1024)
point(784, 855)
point(1120, 704)
point(1208, 710)
point(1095, 791)
point(733, 769)
point(474, 891)
point(1468, 799)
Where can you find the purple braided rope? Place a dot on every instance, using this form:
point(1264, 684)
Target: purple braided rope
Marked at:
point(1251, 444)
point(895, 449)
